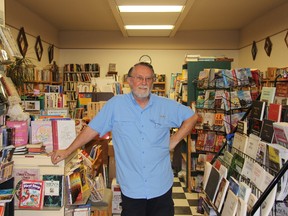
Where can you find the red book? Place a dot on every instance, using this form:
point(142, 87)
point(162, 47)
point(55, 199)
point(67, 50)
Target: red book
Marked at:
point(274, 112)
point(31, 194)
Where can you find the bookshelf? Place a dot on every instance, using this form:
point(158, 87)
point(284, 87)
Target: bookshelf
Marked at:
point(159, 88)
point(73, 75)
point(192, 70)
point(40, 78)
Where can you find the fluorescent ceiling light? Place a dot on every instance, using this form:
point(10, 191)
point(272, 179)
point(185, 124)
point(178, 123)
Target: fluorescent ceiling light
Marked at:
point(154, 8)
point(159, 27)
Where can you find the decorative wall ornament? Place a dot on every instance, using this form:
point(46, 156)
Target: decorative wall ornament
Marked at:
point(254, 50)
point(286, 39)
point(268, 46)
point(51, 53)
point(22, 42)
point(38, 48)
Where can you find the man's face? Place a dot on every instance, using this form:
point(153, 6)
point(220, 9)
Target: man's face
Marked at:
point(141, 81)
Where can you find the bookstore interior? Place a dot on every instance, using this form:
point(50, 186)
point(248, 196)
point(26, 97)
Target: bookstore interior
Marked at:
point(234, 159)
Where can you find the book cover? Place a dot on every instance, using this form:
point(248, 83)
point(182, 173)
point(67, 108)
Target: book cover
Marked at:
point(241, 207)
point(209, 143)
point(247, 168)
point(227, 158)
point(261, 152)
point(240, 141)
point(284, 114)
point(242, 127)
point(257, 175)
point(200, 120)
point(64, 133)
point(252, 146)
point(255, 126)
point(220, 140)
point(244, 98)
point(207, 171)
point(231, 121)
point(236, 166)
point(273, 159)
point(219, 122)
point(280, 134)
point(244, 191)
point(6, 195)
point(212, 81)
point(258, 108)
point(281, 89)
point(234, 185)
point(53, 194)
point(200, 140)
point(230, 204)
point(274, 112)
point(41, 131)
point(222, 191)
point(268, 94)
point(21, 174)
point(267, 131)
point(219, 81)
point(203, 78)
point(251, 202)
point(242, 77)
point(218, 103)
point(209, 99)
point(21, 131)
point(200, 99)
point(213, 184)
point(208, 121)
point(31, 194)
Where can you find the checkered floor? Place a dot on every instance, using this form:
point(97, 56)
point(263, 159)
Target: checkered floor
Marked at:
point(185, 202)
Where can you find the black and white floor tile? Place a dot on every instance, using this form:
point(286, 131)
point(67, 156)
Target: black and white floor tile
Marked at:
point(184, 201)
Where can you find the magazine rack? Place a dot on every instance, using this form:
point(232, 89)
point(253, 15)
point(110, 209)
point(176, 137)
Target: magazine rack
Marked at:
point(277, 175)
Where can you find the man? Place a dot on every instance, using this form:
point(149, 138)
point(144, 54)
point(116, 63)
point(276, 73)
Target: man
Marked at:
point(140, 123)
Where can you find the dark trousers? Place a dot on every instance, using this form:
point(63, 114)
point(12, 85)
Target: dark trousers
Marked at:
point(159, 206)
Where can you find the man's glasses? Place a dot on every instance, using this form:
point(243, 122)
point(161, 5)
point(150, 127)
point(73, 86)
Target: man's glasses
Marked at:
point(141, 79)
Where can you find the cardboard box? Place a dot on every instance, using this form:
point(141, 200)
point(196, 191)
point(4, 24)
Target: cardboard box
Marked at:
point(116, 197)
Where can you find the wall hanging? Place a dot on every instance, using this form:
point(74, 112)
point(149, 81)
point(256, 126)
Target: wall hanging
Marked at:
point(38, 48)
point(254, 50)
point(51, 53)
point(268, 46)
point(22, 42)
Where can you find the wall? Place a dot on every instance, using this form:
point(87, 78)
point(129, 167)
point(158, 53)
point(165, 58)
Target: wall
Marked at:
point(167, 53)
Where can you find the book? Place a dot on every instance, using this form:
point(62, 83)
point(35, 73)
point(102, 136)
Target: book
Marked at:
point(203, 78)
point(230, 204)
point(240, 141)
point(284, 114)
point(255, 126)
point(6, 195)
point(209, 143)
point(200, 99)
point(231, 121)
point(244, 98)
point(207, 170)
point(258, 108)
point(261, 152)
point(280, 135)
point(53, 195)
point(274, 112)
point(213, 184)
point(242, 127)
point(257, 175)
point(234, 185)
point(31, 194)
point(218, 77)
point(219, 122)
point(251, 202)
point(236, 166)
point(64, 133)
point(41, 132)
point(21, 174)
point(21, 131)
point(244, 191)
point(200, 140)
point(242, 77)
point(268, 204)
point(267, 131)
point(247, 168)
point(268, 94)
point(252, 146)
point(221, 194)
point(219, 141)
point(241, 207)
point(218, 99)
point(208, 121)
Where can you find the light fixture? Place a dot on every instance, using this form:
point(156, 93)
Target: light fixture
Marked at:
point(152, 8)
point(147, 27)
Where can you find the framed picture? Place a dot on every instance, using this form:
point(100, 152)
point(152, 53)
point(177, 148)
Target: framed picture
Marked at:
point(254, 50)
point(38, 48)
point(22, 42)
point(51, 53)
point(31, 105)
point(268, 46)
point(286, 39)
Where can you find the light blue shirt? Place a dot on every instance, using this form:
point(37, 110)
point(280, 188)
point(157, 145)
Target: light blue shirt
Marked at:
point(141, 139)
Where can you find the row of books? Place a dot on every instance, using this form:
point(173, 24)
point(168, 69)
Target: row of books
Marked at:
point(35, 192)
point(224, 78)
point(217, 121)
point(79, 77)
point(82, 67)
point(209, 141)
point(223, 99)
point(231, 195)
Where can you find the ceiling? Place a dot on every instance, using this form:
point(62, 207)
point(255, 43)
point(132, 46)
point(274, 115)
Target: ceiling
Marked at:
point(102, 15)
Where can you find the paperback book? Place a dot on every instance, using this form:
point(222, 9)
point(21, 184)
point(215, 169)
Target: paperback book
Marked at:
point(31, 194)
